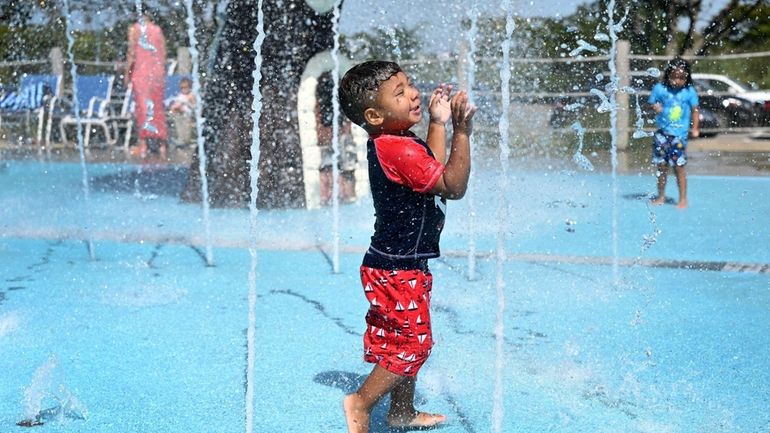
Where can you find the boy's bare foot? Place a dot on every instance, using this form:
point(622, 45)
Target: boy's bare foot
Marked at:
point(356, 416)
point(418, 420)
point(658, 201)
point(682, 204)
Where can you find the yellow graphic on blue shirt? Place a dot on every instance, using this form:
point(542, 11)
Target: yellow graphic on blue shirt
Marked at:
point(675, 114)
point(674, 119)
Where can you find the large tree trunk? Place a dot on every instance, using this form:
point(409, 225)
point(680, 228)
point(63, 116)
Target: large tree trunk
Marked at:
point(294, 33)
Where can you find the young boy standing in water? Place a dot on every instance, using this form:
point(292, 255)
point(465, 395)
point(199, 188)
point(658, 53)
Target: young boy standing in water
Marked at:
point(675, 103)
point(410, 181)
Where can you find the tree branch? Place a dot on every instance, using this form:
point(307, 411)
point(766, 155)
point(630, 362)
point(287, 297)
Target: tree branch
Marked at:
point(693, 11)
point(671, 19)
point(721, 24)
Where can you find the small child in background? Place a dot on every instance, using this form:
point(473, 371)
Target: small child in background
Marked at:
point(181, 109)
point(675, 103)
point(184, 101)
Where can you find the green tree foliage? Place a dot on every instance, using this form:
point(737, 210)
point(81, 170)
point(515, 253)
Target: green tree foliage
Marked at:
point(652, 27)
point(671, 27)
point(30, 42)
point(750, 35)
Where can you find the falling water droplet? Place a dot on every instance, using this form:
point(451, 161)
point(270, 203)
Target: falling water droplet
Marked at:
point(653, 72)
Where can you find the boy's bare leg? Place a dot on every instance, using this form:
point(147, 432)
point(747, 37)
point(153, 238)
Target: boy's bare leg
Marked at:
point(662, 177)
point(402, 412)
point(681, 181)
point(359, 405)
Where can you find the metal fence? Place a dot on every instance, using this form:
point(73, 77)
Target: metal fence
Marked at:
point(543, 87)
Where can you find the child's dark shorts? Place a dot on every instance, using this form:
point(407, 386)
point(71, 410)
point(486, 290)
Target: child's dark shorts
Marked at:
point(398, 335)
point(668, 149)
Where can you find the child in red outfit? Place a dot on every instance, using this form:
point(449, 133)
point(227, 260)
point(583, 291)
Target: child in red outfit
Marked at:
point(410, 181)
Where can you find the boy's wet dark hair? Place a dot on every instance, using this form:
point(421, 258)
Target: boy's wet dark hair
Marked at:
point(359, 86)
point(677, 63)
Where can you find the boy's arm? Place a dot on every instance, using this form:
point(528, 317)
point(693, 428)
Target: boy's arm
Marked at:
point(695, 130)
point(655, 108)
point(453, 183)
point(440, 110)
point(653, 103)
point(437, 140)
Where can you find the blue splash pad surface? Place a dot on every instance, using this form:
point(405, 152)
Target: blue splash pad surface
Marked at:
point(147, 338)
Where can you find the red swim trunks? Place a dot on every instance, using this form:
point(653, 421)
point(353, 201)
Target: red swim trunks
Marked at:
point(398, 336)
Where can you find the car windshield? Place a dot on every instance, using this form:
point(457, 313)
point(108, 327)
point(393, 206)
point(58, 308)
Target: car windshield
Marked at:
point(721, 86)
point(744, 87)
point(741, 87)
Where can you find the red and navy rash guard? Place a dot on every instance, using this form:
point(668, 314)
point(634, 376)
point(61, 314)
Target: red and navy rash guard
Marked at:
point(408, 218)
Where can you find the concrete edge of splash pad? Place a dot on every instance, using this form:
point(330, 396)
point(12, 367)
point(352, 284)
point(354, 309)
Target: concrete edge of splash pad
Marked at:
point(200, 241)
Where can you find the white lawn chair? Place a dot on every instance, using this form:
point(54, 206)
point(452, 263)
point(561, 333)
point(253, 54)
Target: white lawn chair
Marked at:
point(94, 93)
point(124, 118)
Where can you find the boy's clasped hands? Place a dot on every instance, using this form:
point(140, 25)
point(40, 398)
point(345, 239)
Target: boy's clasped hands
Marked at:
point(443, 105)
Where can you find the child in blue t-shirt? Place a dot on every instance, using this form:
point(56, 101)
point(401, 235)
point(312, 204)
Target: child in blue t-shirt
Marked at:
point(676, 103)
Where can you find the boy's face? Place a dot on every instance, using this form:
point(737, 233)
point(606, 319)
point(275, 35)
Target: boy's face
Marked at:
point(397, 107)
point(185, 87)
point(677, 78)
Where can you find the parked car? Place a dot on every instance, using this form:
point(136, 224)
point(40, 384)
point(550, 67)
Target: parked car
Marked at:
point(719, 106)
point(560, 118)
point(736, 104)
point(725, 84)
point(709, 124)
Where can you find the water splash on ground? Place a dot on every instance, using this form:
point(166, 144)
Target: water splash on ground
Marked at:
point(48, 399)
